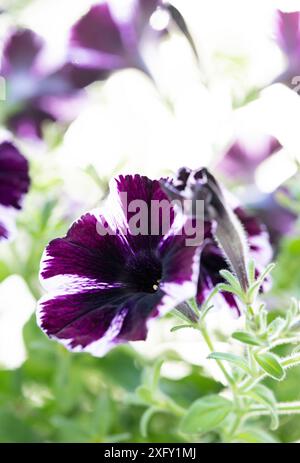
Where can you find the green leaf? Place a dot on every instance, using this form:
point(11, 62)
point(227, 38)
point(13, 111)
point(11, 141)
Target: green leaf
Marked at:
point(270, 364)
point(231, 279)
point(229, 289)
point(266, 397)
point(101, 417)
point(276, 327)
point(180, 327)
point(122, 368)
point(251, 435)
point(266, 394)
point(232, 358)
point(186, 390)
point(205, 414)
point(251, 271)
point(246, 338)
point(253, 291)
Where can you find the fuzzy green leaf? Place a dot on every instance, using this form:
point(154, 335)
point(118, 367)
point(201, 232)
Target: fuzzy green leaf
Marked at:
point(246, 338)
point(232, 358)
point(270, 364)
point(205, 414)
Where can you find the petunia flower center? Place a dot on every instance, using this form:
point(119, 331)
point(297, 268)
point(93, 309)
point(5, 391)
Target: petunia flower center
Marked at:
point(143, 272)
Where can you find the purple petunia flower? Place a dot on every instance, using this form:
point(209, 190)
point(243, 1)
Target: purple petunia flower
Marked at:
point(245, 154)
point(231, 235)
point(107, 287)
point(34, 94)
point(110, 36)
point(14, 183)
point(288, 39)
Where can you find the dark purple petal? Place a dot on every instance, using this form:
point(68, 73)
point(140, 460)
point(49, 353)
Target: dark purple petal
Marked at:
point(14, 183)
point(84, 253)
point(107, 38)
point(20, 51)
point(70, 78)
point(246, 154)
point(80, 318)
point(141, 188)
point(97, 30)
point(139, 310)
point(14, 177)
point(94, 321)
point(180, 261)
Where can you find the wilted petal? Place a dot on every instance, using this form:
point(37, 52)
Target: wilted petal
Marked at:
point(231, 236)
point(212, 259)
point(201, 186)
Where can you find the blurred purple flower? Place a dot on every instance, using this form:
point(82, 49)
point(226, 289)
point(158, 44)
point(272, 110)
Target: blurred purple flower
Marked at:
point(110, 36)
point(278, 219)
point(245, 154)
point(36, 94)
point(288, 38)
point(108, 287)
point(229, 232)
point(14, 183)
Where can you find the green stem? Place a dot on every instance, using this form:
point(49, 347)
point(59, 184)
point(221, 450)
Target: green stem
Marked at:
point(283, 408)
point(282, 341)
point(171, 407)
point(206, 337)
point(239, 417)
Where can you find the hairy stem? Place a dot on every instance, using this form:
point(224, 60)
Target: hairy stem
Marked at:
point(207, 339)
point(283, 408)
